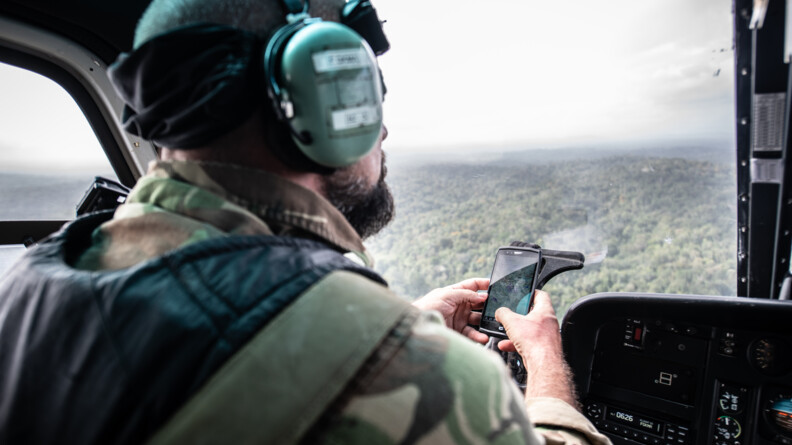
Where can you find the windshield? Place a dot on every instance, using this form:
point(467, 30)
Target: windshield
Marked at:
point(603, 128)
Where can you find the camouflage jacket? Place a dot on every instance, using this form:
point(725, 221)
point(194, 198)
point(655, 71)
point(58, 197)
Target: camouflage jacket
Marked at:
point(424, 383)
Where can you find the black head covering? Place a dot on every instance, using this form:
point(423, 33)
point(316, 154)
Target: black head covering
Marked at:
point(190, 85)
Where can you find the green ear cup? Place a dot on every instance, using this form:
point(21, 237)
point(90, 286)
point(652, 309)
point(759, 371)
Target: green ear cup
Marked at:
point(330, 80)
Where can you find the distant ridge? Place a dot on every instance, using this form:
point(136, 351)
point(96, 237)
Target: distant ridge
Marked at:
point(697, 153)
point(713, 153)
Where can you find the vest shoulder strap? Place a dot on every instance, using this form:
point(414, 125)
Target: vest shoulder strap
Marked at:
point(280, 383)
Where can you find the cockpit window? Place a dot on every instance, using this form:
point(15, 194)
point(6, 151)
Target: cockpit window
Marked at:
point(48, 151)
point(601, 128)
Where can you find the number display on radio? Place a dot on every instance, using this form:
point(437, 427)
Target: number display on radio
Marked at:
point(635, 421)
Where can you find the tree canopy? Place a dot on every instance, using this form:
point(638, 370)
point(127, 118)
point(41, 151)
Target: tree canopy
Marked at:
point(665, 225)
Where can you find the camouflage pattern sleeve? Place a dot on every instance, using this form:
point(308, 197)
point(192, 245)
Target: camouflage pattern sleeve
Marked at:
point(438, 388)
point(560, 423)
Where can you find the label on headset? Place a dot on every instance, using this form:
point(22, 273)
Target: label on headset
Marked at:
point(354, 117)
point(340, 59)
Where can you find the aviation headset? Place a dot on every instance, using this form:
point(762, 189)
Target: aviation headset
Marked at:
point(319, 79)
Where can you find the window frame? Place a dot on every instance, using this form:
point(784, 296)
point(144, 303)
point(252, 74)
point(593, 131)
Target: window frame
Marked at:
point(84, 77)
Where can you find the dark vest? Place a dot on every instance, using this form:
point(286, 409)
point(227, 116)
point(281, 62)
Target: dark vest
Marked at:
point(107, 357)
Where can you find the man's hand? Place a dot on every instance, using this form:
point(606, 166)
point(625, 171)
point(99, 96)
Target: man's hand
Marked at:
point(537, 338)
point(456, 303)
point(536, 332)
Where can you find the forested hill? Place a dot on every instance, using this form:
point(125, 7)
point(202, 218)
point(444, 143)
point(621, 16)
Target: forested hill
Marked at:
point(662, 224)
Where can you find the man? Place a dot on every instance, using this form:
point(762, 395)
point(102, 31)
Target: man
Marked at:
point(220, 304)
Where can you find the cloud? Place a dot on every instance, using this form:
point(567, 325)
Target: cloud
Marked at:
point(508, 71)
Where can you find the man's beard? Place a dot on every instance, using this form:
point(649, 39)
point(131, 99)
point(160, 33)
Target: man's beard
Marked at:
point(367, 209)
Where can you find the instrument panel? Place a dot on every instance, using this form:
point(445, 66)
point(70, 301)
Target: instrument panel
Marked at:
point(683, 370)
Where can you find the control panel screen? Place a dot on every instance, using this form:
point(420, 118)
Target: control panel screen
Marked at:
point(636, 421)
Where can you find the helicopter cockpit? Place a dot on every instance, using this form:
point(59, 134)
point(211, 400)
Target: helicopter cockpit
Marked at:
point(653, 138)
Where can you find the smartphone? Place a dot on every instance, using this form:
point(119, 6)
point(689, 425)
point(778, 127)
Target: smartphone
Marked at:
point(512, 285)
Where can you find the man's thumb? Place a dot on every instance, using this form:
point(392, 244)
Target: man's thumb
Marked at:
point(504, 315)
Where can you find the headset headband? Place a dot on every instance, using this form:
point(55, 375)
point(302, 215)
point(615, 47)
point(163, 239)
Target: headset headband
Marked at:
point(361, 16)
point(295, 6)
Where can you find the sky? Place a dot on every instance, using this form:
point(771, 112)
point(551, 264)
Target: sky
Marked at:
point(42, 126)
point(533, 73)
point(490, 74)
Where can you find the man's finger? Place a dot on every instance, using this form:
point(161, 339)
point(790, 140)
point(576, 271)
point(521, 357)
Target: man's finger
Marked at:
point(455, 297)
point(474, 299)
point(474, 284)
point(504, 315)
point(475, 335)
point(506, 346)
point(474, 318)
point(478, 304)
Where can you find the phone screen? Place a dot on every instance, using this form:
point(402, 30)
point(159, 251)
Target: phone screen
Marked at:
point(512, 282)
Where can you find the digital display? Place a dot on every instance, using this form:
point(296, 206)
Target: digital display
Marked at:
point(512, 281)
point(649, 376)
point(782, 414)
point(635, 421)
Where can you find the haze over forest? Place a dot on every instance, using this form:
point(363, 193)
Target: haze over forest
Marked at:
point(660, 221)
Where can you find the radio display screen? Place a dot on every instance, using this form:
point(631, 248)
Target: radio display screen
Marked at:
point(642, 423)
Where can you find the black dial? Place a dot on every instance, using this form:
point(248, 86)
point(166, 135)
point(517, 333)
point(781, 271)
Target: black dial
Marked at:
point(771, 356)
point(727, 428)
point(594, 410)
